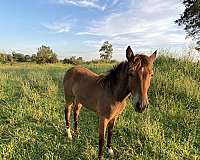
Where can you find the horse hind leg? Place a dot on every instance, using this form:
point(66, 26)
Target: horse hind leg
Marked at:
point(77, 109)
point(68, 108)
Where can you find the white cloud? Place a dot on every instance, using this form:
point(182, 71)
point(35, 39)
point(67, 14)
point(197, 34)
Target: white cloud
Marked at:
point(58, 27)
point(145, 24)
point(114, 2)
point(82, 3)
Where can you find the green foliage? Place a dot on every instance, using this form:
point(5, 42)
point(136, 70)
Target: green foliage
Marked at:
point(34, 58)
point(32, 115)
point(18, 57)
point(3, 58)
point(191, 19)
point(106, 51)
point(10, 58)
point(102, 61)
point(27, 58)
point(46, 55)
point(73, 60)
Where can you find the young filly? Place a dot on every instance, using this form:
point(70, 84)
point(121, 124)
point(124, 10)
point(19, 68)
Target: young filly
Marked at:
point(107, 94)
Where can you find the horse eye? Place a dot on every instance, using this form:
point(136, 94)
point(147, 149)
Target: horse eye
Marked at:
point(152, 75)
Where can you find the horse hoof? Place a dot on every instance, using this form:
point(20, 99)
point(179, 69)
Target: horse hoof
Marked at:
point(110, 152)
point(69, 135)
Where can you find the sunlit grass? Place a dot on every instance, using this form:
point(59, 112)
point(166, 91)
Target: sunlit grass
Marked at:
point(32, 115)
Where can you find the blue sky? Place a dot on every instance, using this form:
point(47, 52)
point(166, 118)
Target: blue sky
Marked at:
point(79, 27)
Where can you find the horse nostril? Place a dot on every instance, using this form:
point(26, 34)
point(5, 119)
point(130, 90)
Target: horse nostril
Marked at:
point(138, 105)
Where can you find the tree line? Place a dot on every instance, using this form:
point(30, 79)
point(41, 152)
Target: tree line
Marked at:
point(46, 55)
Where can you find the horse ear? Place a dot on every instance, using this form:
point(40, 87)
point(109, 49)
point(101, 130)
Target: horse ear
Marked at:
point(153, 56)
point(129, 53)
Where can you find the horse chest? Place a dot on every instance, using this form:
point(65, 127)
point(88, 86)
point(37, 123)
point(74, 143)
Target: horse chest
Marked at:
point(112, 110)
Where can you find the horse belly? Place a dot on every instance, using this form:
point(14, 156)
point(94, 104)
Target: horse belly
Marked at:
point(86, 96)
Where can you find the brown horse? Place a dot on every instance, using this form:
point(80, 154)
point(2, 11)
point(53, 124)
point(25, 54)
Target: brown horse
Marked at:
point(107, 94)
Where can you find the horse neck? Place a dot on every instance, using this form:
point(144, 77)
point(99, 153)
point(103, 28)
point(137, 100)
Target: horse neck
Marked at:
point(120, 89)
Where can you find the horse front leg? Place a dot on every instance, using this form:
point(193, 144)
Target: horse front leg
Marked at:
point(110, 132)
point(102, 130)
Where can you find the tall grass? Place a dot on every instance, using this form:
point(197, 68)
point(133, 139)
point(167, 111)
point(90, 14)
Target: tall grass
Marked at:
point(32, 116)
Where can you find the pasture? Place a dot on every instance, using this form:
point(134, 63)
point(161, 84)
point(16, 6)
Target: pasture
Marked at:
point(32, 115)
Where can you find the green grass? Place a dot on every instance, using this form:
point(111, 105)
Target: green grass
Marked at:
point(32, 116)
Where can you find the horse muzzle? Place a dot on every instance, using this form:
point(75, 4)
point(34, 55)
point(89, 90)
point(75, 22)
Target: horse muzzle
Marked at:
point(140, 107)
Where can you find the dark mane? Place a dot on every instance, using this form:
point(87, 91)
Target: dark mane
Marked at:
point(110, 78)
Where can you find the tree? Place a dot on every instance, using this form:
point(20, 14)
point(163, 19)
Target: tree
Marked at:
point(27, 58)
point(34, 58)
point(80, 59)
point(52, 58)
point(3, 58)
point(10, 59)
point(18, 57)
point(106, 51)
point(46, 55)
point(73, 60)
point(190, 18)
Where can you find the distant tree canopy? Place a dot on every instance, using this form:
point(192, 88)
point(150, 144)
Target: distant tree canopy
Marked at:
point(190, 18)
point(18, 57)
point(106, 51)
point(27, 58)
point(4, 58)
point(46, 55)
point(33, 58)
point(73, 60)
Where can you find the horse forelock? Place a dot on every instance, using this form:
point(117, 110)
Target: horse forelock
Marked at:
point(139, 61)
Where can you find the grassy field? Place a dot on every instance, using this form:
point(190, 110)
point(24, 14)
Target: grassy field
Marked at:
point(32, 116)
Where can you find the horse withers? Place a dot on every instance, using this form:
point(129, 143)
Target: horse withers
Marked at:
point(106, 94)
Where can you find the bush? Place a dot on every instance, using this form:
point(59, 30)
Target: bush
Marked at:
point(46, 55)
